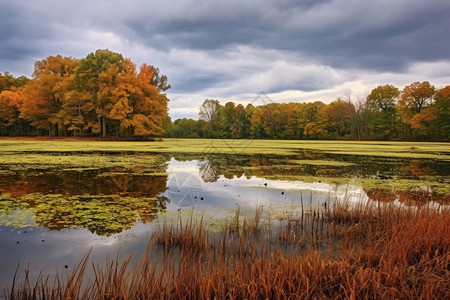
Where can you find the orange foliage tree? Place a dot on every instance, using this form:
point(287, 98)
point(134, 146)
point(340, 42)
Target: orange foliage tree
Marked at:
point(414, 99)
point(44, 96)
point(100, 94)
point(10, 104)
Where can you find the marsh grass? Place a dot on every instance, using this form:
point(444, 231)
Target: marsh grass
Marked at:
point(342, 250)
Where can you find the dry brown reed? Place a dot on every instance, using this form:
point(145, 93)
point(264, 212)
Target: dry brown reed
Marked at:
point(342, 250)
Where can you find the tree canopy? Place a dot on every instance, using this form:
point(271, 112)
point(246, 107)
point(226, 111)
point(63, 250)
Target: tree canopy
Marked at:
point(103, 94)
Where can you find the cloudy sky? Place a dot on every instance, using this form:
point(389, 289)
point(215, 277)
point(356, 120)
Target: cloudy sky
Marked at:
point(292, 51)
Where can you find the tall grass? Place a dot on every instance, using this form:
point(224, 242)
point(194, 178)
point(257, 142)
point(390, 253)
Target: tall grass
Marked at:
point(340, 251)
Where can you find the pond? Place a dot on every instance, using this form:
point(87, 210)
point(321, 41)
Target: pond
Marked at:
point(54, 206)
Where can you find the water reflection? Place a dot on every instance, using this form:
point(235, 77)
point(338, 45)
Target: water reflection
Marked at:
point(120, 190)
point(104, 200)
point(218, 192)
point(418, 197)
point(86, 182)
point(214, 165)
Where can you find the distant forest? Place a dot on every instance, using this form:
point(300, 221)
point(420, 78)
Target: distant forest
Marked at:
point(107, 95)
point(418, 112)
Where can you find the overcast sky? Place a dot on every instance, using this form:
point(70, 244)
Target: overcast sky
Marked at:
point(293, 51)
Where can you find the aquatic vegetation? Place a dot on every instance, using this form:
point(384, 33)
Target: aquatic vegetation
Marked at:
point(317, 162)
point(100, 214)
point(76, 161)
point(289, 147)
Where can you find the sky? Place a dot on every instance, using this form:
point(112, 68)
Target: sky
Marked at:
point(252, 51)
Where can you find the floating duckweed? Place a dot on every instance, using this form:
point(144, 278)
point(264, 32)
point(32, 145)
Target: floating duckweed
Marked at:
point(103, 215)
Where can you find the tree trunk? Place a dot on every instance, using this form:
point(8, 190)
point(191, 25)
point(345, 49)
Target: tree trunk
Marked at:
point(104, 126)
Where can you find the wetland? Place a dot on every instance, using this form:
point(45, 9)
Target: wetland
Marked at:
point(58, 199)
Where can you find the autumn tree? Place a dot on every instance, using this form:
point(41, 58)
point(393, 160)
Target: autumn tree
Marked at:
point(98, 94)
point(292, 128)
point(257, 122)
point(96, 75)
point(76, 107)
point(150, 106)
point(414, 98)
point(10, 105)
point(233, 121)
point(44, 96)
point(337, 117)
point(129, 101)
point(308, 119)
point(35, 107)
point(11, 102)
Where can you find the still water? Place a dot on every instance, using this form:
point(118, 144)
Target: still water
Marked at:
point(50, 214)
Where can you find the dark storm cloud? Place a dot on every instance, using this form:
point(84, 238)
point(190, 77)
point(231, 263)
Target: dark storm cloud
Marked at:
point(198, 81)
point(17, 30)
point(253, 45)
point(381, 35)
point(24, 36)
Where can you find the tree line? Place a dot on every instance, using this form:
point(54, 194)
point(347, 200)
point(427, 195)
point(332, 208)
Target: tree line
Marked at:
point(418, 112)
point(103, 94)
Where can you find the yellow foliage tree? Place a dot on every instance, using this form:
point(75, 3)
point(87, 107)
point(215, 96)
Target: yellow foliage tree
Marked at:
point(10, 104)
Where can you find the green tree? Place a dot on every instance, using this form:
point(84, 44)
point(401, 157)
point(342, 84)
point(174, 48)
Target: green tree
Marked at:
point(161, 82)
point(8, 81)
point(186, 128)
point(210, 112)
point(382, 113)
point(240, 124)
point(226, 119)
point(441, 125)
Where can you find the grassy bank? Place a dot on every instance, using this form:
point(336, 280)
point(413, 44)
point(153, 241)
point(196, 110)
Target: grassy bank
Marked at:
point(337, 251)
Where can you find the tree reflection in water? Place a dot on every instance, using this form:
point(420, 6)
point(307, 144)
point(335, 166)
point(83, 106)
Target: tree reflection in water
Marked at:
point(107, 200)
point(104, 201)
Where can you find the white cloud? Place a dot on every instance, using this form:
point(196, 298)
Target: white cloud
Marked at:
point(439, 71)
